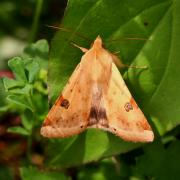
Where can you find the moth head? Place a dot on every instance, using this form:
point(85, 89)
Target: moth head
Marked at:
point(97, 43)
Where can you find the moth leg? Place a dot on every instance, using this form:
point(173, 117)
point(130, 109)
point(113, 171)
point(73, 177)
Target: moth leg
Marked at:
point(119, 63)
point(116, 52)
point(84, 50)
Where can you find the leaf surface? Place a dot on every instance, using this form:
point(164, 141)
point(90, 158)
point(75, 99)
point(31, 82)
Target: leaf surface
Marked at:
point(156, 89)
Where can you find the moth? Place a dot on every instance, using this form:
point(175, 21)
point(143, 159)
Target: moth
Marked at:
point(96, 97)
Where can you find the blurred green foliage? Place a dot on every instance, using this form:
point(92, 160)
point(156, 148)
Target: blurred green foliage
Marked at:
point(25, 21)
point(94, 154)
point(28, 173)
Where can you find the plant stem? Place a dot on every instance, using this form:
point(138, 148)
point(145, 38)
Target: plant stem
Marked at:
point(36, 18)
point(30, 138)
point(29, 146)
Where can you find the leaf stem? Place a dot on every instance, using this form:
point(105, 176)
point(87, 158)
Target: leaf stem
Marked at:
point(36, 18)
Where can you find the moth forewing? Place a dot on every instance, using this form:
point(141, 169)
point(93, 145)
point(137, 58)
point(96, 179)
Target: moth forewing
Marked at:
point(125, 117)
point(69, 114)
point(97, 97)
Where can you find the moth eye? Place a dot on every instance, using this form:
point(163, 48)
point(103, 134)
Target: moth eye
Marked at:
point(114, 129)
point(65, 103)
point(128, 106)
point(81, 126)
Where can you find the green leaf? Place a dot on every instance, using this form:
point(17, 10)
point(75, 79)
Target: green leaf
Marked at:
point(17, 66)
point(18, 130)
point(156, 89)
point(4, 109)
point(33, 70)
point(22, 100)
point(29, 173)
point(11, 83)
point(39, 52)
point(25, 90)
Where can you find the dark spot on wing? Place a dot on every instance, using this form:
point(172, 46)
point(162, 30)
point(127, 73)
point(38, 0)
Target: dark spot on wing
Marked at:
point(65, 103)
point(128, 106)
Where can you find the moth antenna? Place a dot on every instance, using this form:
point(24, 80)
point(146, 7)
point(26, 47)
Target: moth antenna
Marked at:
point(136, 38)
point(127, 38)
point(70, 31)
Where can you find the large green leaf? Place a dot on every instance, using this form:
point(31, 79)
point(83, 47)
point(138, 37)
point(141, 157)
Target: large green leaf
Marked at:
point(156, 89)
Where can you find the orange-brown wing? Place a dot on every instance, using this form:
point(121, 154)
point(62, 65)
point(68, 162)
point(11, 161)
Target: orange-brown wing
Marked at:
point(125, 118)
point(69, 114)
